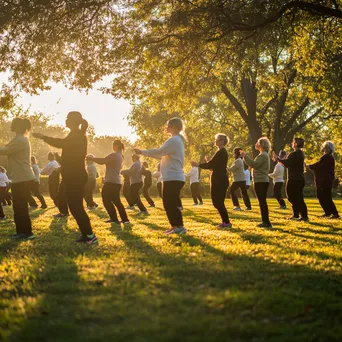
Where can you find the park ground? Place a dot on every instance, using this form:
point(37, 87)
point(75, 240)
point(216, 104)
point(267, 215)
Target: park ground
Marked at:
point(241, 284)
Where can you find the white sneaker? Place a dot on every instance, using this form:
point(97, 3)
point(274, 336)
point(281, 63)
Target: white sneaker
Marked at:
point(237, 209)
point(126, 223)
point(195, 204)
point(179, 230)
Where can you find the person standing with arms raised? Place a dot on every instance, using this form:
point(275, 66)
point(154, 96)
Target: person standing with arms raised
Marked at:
point(112, 182)
point(171, 169)
point(18, 152)
point(278, 180)
point(74, 174)
point(296, 180)
point(261, 169)
point(219, 178)
point(194, 184)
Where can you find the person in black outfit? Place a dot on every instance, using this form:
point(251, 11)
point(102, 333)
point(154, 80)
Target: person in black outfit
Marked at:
point(126, 190)
point(147, 184)
point(295, 180)
point(219, 178)
point(324, 171)
point(74, 174)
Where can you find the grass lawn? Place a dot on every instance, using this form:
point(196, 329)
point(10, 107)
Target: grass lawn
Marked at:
point(242, 284)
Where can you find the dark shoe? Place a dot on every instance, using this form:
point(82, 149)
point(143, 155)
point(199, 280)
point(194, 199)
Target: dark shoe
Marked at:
point(264, 225)
point(60, 215)
point(22, 236)
point(294, 218)
point(325, 215)
point(248, 208)
point(334, 217)
point(43, 207)
point(283, 207)
point(88, 239)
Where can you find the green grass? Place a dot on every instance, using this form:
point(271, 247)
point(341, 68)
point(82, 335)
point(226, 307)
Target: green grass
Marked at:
point(243, 284)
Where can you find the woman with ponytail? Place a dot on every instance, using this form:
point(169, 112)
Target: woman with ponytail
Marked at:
point(74, 174)
point(112, 183)
point(171, 169)
point(18, 152)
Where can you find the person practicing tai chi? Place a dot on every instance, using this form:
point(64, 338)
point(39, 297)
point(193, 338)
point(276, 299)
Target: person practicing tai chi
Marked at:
point(219, 179)
point(126, 190)
point(4, 182)
point(278, 181)
point(91, 182)
point(112, 182)
point(239, 181)
point(158, 176)
point(324, 171)
point(260, 170)
point(18, 152)
point(296, 180)
point(136, 182)
point(171, 169)
point(52, 170)
point(35, 191)
point(74, 174)
point(147, 184)
point(194, 184)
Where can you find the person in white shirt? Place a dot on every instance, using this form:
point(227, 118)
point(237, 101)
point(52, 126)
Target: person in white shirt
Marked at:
point(35, 191)
point(278, 181)
point(52, 170)
point(194, 184)
point(171, 169)
point(239, 181)
point(4, 182)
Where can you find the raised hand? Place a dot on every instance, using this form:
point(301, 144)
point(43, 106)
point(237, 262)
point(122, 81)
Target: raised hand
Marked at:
point(242, 154)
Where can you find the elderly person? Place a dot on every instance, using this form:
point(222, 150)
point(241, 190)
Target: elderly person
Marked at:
point(261, 168)
point(324, 171)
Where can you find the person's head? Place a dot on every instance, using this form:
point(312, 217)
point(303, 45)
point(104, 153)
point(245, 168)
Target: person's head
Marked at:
point(263, 145)
point(328, 147)
point(297, 143)
point(145, 165)
point(193, 164)
point(282, 154)
point(175, 126)
point(2, 169)
point(89, 161)
point(221, 140)
point(74, 120)
point(33, 160)
point(236, 152)
point(21, 126)
point(135, 157)
point(51, 156)
point(118, 146)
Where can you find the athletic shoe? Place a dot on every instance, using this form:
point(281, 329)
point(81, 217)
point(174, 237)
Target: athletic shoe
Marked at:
point(195, 204)
point(126, 223)
point(224, 225)
point(248, 208)
point(179, 230)
point(89, 239)
point(22, 236)
point(282, 207)
point(264, 225)
point(112, 221)
point(33, 207)
point(43, 207)
point(152, 206)
point(334, 217)
point(325, 215)
point(304, 219)
point(3, 218)
point(169, 231)
point(237, 209)
point(294, 218)
point(200, 203)
point(143, 212)
point(60, 215)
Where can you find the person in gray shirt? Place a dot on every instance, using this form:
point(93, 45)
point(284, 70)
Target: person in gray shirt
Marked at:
point(35, 191)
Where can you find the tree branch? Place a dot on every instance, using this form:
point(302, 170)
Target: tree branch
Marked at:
point(235, 102)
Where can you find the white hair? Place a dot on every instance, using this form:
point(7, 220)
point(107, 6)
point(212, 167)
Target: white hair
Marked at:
point(264, 143)
point(329, 147)
point(223, 137)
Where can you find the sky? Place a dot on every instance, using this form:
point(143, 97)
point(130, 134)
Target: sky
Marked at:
point(107, 114)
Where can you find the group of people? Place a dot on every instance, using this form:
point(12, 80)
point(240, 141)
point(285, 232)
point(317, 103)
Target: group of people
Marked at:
point(78, 183)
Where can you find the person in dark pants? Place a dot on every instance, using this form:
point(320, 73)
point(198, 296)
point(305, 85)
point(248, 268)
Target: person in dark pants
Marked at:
point(112, 183)
point(158, 176)
point(171, 169)
point(91, 183)
point(296, 180)
point(261, 169)
point(238, 169)
point(35, 191)
point(74, 174)
point(147, 184)
point(18, 152)
point(324, 171)
point(126, 190)
point(219, 179)
point(136, 182)
point(4, 181)
point(52, 170)
point(278, 181)
point(195, 185)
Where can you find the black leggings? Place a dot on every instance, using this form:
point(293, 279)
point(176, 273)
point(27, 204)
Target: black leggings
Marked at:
point(127, 193)
point(218, 195)
point(2, 198)
point(53, 187)
point(171, 199)
point(159, 188)
point(261, 193)
point(326, 202)
point(111, 199)
point(135, 195)
point(73, 192)
point(21, 193)
point(195, 192)
point(277, 187)
point(242, 186)
point(35, 191)
point(88, 192)
point(295, 195)
point(146, 193)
